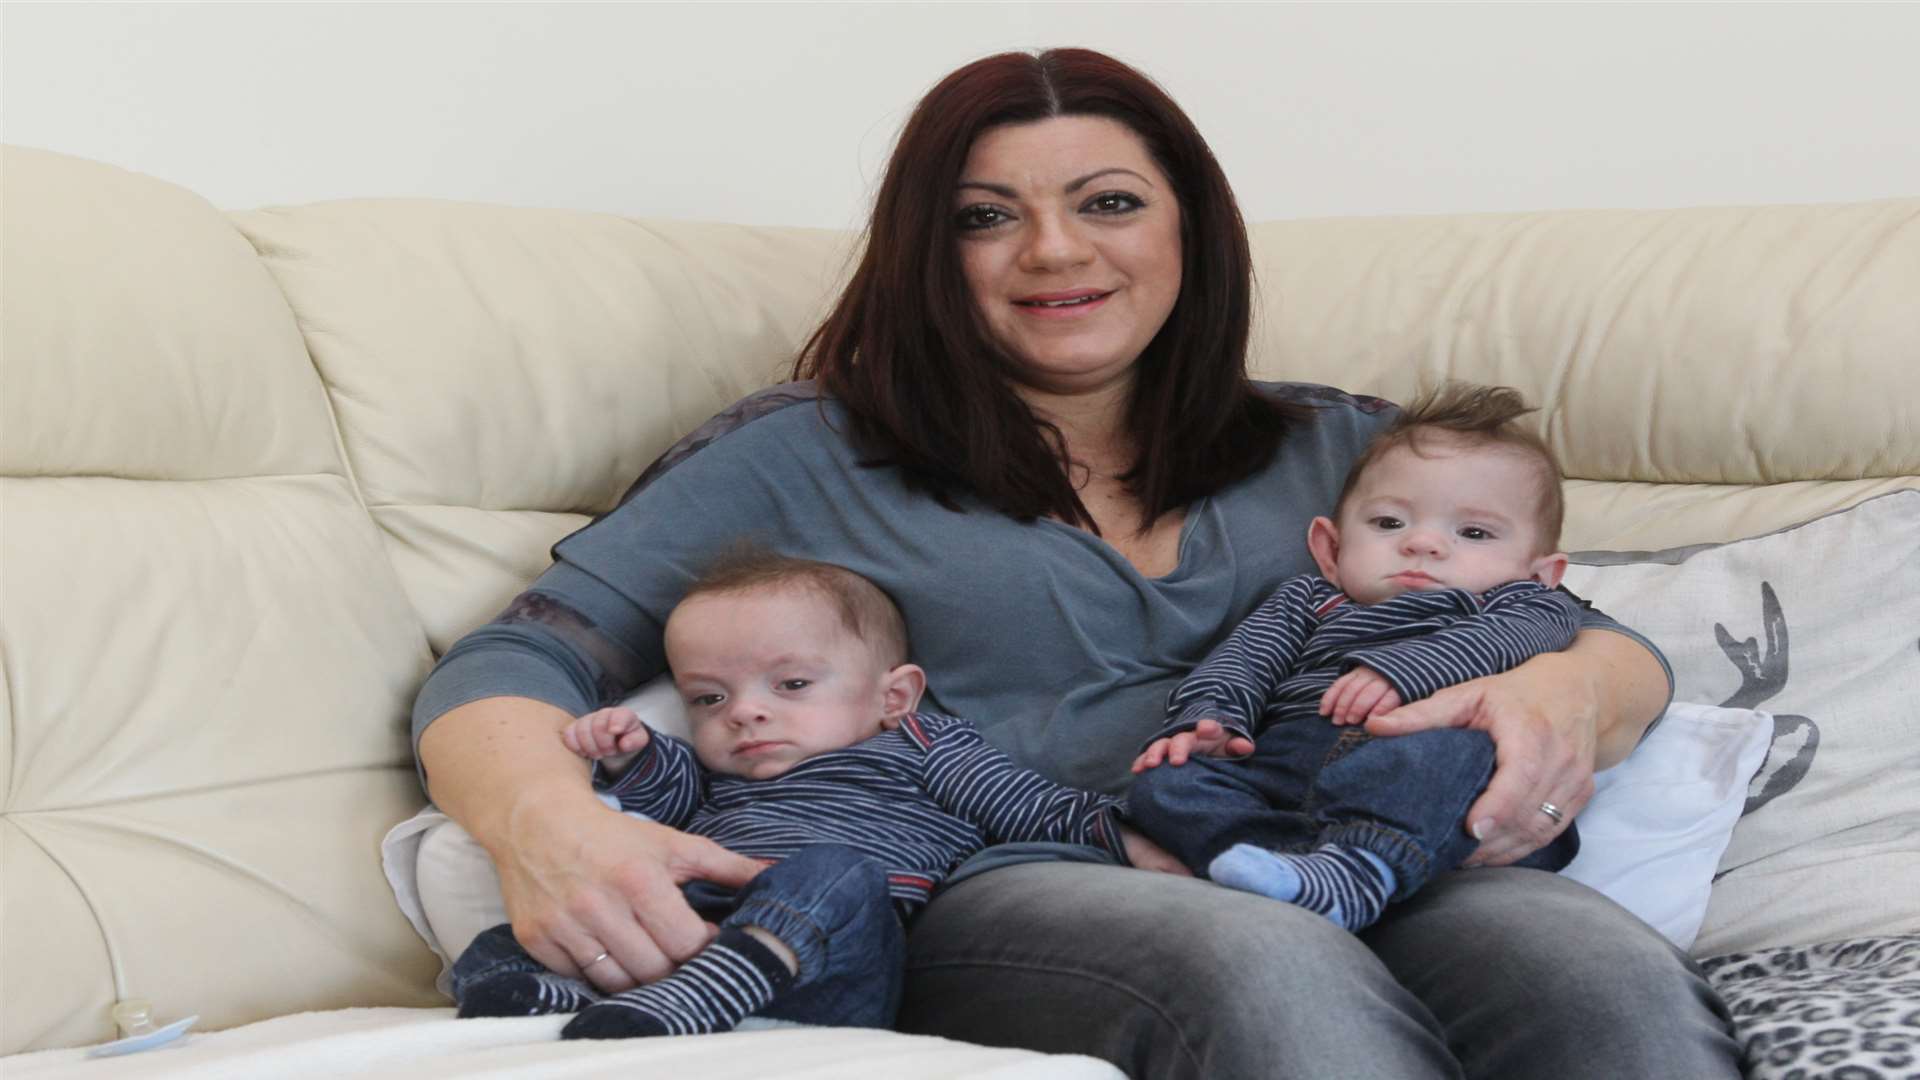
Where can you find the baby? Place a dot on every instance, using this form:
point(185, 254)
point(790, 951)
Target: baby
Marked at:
point(807, 753)
point(1438, 566)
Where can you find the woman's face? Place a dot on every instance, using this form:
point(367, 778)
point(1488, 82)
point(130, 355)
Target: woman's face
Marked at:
point(1070, 242)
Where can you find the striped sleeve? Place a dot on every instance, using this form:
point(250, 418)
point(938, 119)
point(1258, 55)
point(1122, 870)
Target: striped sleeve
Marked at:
point(977, 783)
point(1515, 623)
point(1233, 685)
point(663, 782)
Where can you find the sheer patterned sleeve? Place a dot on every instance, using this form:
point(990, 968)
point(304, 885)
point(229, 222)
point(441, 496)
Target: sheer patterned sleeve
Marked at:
point(588, 631)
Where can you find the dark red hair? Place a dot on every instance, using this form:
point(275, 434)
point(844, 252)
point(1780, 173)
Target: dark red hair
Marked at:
point(908, 353)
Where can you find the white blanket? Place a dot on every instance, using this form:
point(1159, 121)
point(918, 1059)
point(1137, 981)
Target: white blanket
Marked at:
point(417, 1044)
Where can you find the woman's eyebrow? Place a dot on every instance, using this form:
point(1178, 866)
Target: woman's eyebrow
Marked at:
point(1006, 192)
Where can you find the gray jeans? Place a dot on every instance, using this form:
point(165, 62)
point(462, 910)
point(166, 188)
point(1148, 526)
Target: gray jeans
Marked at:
point(1499, 974)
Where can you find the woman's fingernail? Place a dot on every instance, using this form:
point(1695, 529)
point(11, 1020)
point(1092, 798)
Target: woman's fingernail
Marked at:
point(1482, 828)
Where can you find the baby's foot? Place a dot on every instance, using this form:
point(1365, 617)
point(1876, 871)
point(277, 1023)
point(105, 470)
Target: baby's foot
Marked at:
point(1349, 885)
point(522, 993)
point(732, 978)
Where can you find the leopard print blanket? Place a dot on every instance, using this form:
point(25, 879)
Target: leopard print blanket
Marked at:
point(1846, 1010)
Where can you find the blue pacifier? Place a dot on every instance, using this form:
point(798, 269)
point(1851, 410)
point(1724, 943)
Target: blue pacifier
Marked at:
point(134, 1018)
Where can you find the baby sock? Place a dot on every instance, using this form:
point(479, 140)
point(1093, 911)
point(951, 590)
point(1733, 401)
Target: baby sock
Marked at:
point(732, 978)
point(1349, 885)
point(527, 993)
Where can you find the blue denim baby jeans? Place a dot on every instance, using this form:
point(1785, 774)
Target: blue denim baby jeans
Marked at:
point(1310, 782)
point(828, 903)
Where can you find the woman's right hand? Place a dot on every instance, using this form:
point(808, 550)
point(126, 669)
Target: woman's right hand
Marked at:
point(580, 880)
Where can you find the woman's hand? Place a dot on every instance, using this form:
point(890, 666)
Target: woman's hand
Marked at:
point(585, 880)
point(1144, 854)
point(1208, 738)
point(1544, 718)
point(578, 879)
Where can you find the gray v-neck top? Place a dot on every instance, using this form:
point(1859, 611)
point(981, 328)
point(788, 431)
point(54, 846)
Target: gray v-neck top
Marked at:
point(1040, 633)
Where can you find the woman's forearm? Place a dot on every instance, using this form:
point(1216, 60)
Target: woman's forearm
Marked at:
point(489, 759)
point(1629, 690)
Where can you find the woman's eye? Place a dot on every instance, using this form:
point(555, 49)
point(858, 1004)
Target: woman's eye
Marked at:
point(795, 684)
point(1385, 523)
point(1113, 202)
point(1475, 532)
point(975, 218)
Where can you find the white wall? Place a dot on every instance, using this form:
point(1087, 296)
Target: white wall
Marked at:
point(782, 113)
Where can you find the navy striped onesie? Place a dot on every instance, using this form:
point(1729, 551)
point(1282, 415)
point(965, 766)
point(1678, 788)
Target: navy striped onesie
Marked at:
point(919, 799)
point(1281, 659)
point(1310, 782)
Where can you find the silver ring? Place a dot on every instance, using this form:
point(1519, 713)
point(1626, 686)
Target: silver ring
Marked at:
point(1551, 811)
point(593, 961)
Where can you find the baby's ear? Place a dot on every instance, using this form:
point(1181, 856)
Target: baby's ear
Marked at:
point(902, 690)
point(1549, 569)
point(1323, 543)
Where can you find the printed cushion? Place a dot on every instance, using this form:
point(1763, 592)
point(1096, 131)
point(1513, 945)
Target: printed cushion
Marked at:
point(1842, 1009)
point(1819, 624)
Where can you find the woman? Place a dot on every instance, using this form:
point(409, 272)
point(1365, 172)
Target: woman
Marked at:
point(1029, 420)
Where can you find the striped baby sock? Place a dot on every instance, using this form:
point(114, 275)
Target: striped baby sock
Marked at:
point(527, 993)
point(732, 978)
point(1349, 885)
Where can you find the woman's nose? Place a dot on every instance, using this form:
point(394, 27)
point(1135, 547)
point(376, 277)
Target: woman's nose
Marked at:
point(1053, 243)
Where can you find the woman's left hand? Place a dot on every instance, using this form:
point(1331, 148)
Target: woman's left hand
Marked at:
point(1544, 720)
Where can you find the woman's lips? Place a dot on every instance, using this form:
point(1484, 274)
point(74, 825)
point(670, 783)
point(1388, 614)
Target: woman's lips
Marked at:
point(1062, 305)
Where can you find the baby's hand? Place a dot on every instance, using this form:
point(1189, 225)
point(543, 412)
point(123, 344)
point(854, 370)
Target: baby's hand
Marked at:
point(1144, 854)
point(1358, 696)
point(605, 733)
point(1209, 738)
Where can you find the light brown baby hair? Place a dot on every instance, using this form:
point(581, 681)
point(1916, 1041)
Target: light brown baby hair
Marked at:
point(1471, 415)
point(866, 611)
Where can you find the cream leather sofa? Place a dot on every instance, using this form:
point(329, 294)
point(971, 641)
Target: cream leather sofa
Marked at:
point(261, 467)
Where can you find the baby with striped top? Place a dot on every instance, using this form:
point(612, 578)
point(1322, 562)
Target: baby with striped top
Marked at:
point(1438, 566)
point(807, 753)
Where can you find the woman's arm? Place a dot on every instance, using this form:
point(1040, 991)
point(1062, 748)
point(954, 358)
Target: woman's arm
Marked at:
point(578, 878)
point(1553, 720)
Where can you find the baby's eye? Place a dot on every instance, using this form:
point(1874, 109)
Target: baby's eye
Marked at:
point(1475, 532)
point(980, 216)
point(795, 684)
point(1386, 523)
point(1113, 202)
point(706, 701)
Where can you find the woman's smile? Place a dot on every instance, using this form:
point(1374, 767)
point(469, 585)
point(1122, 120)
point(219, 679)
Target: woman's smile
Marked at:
point(1070, 243)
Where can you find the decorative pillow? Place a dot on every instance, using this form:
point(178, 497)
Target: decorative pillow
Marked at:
point(1842, 1009)
point(1820, 624)
point(1659, 821)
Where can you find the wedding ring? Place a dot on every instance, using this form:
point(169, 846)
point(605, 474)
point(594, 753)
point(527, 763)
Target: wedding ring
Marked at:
point(1553, 812)
point(601, 957)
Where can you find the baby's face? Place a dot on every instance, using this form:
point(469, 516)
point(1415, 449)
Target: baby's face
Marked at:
point(1449, 517)
point(772, 677)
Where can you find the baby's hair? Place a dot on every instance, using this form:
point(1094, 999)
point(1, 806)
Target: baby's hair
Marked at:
point(867, 612)
point(1473, 415)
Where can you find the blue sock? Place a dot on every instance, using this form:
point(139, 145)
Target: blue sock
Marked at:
point(733, 977)
point(1349, 885)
